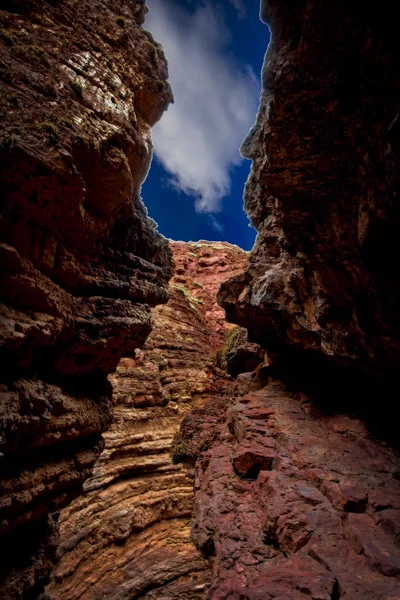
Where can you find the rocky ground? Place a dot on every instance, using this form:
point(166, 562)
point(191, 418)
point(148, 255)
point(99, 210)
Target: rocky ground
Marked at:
point(292, 501)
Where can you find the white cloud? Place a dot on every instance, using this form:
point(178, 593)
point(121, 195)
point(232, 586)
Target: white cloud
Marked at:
point(216, 100)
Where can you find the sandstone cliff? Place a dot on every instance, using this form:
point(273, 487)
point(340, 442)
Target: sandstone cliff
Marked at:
point(81, 84)
point(128, 535)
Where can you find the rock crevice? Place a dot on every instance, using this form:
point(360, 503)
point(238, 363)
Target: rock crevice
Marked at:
point(292, 488)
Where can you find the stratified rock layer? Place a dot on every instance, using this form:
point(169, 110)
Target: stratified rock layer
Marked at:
point(323, 191)
point(81, 84)
point(128, 536)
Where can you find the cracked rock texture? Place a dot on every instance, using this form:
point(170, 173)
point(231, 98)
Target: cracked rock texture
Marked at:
point(81, 84)
point(323, 191)
point(128, 535)
point(293, 502)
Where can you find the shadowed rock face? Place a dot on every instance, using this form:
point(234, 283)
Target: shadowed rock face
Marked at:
point(237, 355)
point(81, 84)
point(128, 535)
point(323, 191)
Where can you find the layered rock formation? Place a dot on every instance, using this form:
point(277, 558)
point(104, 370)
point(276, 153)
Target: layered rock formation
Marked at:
point(128, 535)
point(81, 84)
point(296, 496)
point(323, 188)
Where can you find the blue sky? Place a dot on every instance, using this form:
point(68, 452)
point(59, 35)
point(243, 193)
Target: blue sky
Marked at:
point(215, 50)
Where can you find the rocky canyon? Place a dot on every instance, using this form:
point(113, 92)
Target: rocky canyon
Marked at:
point(186, 420)
point(128, 535)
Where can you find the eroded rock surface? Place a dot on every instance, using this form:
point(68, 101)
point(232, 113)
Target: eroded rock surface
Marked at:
point(128, 536)
point(323, 191)
point(81, 84)
point(292, 502)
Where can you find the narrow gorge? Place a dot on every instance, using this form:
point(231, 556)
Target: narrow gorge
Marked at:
point(128, 535)
point(187, 420)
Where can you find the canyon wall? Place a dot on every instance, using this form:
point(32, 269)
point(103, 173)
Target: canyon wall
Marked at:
point(294, 494)
point(297, 492)
point(323, 189)
point(128, 535)
point(81, 85)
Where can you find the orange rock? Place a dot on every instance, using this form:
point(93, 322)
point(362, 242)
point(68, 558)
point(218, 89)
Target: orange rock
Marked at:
point(134, 515)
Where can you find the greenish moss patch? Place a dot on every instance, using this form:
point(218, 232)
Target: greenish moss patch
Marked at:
point(178, 452)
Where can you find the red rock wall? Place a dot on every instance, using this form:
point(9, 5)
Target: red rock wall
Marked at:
point(81, 84)
point(291, 501)
point(128, 535)
point(201, 267)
